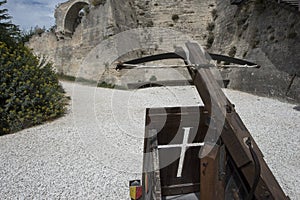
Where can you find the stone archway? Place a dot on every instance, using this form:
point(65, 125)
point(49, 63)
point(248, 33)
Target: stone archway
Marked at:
point(72, 18)
point(67, 16)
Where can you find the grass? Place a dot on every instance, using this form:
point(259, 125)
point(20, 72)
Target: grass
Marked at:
point(63, 77)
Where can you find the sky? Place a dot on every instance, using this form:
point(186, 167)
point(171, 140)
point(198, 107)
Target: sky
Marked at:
point(31, 13)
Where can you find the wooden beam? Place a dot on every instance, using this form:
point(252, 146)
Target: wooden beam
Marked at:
point(234, 132)
point(211, 187)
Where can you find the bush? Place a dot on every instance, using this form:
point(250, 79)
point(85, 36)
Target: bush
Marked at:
point(210, 40)
point(232, 51)
point(29, 90)
point(291, 35)
point(175, 18)
point(149, 23)
point(98, 2)
point(104, 84)
point(210, 26)
point(153, 78)
point(214, 14)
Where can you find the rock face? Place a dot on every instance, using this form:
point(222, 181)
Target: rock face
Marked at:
point(75, 36)
point(88, 38)
point(267, 33)
point(188, 16)
point(86, 41)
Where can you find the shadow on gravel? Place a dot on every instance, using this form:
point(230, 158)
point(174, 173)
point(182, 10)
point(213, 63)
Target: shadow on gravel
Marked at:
point(297, 108)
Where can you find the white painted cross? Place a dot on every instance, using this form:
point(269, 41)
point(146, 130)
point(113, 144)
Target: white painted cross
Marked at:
point(183, 147)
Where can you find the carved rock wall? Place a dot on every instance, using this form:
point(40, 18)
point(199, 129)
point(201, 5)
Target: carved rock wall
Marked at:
point(67, 13)
point(187, 16)
point(72, 50)
point(261, 31)
point(68, 50)
point(267, 33)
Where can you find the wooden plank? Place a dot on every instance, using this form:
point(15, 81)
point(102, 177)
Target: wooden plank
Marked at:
point(205, 82)
point(151, 172)
point(196, 54)
point(190, 180)
point(212, 187)
point(214, 101)
point(233, 135)
point(181, 189)
point(171, 124)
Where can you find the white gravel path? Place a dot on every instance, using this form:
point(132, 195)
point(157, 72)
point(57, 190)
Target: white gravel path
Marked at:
point(94, 151)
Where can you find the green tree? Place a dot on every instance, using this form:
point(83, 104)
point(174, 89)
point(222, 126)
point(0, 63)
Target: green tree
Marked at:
point(30, 93)
point(26, 35)
point(9, 32)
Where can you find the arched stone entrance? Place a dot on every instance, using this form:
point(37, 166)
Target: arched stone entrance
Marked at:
point(68, 16)
point(73, 17)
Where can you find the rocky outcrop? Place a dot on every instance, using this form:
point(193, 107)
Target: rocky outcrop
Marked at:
point(264, 32)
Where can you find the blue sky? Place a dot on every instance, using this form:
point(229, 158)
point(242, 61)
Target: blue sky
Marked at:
point(29, 13)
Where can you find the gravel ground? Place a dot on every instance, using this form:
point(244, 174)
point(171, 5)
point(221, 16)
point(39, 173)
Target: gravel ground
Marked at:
point(93, 151)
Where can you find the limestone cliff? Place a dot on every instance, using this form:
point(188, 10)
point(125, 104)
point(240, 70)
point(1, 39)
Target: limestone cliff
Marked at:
point(76, 36)
point(267, 33)
point(75, 39)
point(259, 30)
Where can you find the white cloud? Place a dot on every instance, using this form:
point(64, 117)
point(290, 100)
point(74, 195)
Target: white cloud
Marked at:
point(31, 13)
